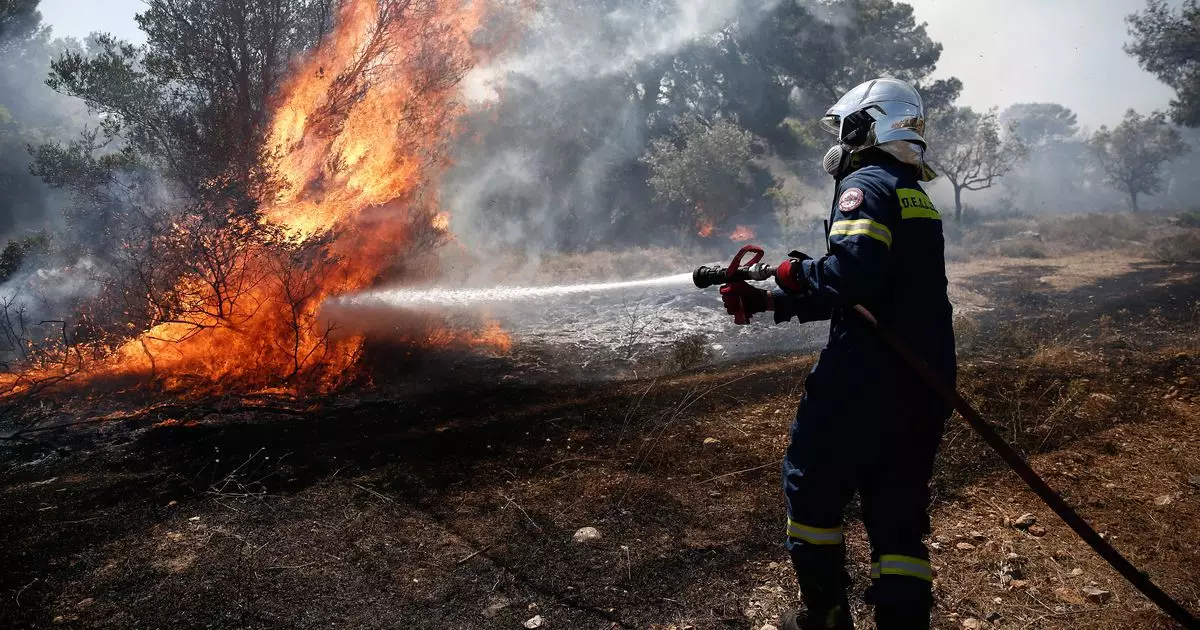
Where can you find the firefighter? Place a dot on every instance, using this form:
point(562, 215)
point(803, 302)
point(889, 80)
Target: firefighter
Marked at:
point(866, 423)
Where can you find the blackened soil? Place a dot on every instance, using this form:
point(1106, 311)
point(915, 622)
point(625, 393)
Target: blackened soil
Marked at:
point(452, 502)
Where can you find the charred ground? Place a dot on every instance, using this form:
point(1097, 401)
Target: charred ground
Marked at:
point(451, 502)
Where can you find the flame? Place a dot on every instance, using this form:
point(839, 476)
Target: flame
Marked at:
point(493, 338)
point(359, 132)
point(366, 120)
point(742, 233)
point(704, 229)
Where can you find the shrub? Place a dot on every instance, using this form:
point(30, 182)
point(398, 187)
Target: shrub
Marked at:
point(1177, 248)
point(690, 351)
point(1190, 218)
point(1021, 248)
point(1093, 231)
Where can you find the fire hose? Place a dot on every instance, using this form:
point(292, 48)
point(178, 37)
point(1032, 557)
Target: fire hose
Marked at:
point(753, 269)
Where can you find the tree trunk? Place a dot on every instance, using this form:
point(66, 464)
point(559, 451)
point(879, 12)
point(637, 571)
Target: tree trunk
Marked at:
point(1133, 202)
point(958, 208)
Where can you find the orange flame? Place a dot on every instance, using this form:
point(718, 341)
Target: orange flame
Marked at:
point(704, 229)
point(359, 132)
point(493, 338)
point(741, 234)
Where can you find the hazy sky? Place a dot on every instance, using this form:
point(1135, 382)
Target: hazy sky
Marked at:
point(1005, 51)
point(1064, 51)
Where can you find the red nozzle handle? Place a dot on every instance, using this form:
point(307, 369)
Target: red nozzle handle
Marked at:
point(741, 318)
point(737, 259)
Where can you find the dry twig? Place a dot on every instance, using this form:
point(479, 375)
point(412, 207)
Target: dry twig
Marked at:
point(737, 472)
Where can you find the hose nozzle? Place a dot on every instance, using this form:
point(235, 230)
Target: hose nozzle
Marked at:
point(706, 277)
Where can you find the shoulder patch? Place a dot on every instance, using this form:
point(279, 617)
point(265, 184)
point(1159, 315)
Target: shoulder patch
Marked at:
point(915, 204)
point(850, 200)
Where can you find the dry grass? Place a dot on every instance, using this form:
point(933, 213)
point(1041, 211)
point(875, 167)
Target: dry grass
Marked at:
point(1053, 236)
point(422, 509)
point(1177, 248)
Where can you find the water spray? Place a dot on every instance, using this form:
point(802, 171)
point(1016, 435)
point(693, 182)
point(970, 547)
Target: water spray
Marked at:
point(437, 296)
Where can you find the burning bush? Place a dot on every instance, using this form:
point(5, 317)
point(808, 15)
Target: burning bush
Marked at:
point(328, 194)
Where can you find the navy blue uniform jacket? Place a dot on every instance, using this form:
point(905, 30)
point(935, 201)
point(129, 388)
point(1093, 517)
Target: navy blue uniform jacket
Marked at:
point(886, 252)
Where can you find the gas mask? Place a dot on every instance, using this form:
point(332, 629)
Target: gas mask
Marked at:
point(840, 160)
point(837, 160)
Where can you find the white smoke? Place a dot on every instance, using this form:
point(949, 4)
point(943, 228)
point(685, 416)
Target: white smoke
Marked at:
point(561, 69)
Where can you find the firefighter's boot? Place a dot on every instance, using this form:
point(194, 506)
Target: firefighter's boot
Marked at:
point(888, 618)
point(835, 618)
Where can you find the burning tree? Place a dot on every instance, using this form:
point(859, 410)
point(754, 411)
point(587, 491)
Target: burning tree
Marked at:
point(261, 185)
point(1134, 153)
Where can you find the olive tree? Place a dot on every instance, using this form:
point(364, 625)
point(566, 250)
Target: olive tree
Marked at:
point(1167, 44)
point(972, 150)
point(1133, 153)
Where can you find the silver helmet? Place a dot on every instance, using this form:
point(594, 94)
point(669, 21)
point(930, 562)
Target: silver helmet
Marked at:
point(877, 112)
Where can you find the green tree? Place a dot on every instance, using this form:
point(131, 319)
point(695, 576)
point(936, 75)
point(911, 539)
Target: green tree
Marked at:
point(1167, 44)
point(1040, 123)
point(568, 147)
point(1134, 153)
point(816, 52)
point(192, 103)
point(1056, 171)
point(17, 252)
point(29, 113)
point(704, 168)
point(19, 20)
point(972, 150)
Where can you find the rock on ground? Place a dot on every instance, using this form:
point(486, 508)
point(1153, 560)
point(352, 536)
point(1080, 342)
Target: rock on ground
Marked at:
point(586, 535)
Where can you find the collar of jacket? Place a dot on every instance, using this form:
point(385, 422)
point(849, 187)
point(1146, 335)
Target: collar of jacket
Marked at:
point(890, 155)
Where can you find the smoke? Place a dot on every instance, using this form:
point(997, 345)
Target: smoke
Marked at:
point(31, 114)
point(590, 41)
point(1061, 176)
point(551, 157)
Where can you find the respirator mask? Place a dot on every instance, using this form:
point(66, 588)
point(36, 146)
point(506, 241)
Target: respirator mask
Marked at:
point(855, 133)
point(837, 160)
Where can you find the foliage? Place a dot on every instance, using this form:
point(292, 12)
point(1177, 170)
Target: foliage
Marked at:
point(1038, 124)
point(29, 113)
point(821, 51)
point(1134, 153)
point(1167, 44)
point(192, 102)
point(572, 145)
point(19, 20)
point(972, 150)
point(703, 166)
point(17, 252)
point(1177, 248)
point(826, 49)
point(1057, 174)
point(164, 183)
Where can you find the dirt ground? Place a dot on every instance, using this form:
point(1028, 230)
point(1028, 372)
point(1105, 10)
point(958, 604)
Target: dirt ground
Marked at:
point(451, 502)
